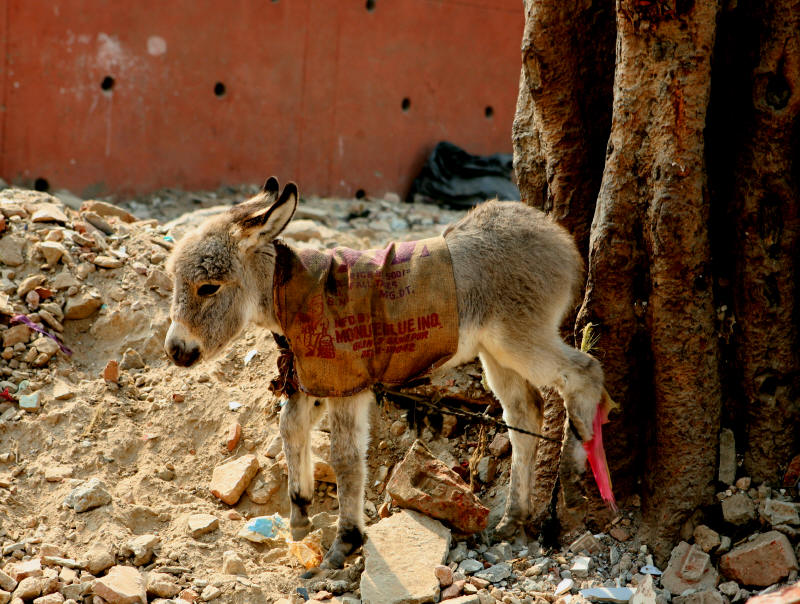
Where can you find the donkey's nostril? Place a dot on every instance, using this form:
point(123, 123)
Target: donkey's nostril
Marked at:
point(183, 357)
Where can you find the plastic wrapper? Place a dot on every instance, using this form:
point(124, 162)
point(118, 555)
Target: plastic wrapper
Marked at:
point(308, 551)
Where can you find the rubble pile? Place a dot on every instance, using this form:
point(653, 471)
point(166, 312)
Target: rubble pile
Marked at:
point(124, 479)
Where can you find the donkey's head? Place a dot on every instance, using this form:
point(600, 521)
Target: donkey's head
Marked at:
point(222, 274)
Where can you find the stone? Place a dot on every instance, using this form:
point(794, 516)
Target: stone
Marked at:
point(564, 586)
point(54, 598)
point(619, 595)
point(487, 468)
point(780, 512)
point(111, 371)
point(187, 595)
point(24, 569)
point(17, 334)
point(99, 557)
point(210, 592)
point(58, 473)
point(200, 524)
point(423, 483)
point(645, 592)
point(265, 484)
point(107, 262)
point(29, 402)
point(131, 359)
point(141, 548)
point(444, 574)
point(743, 483)
point(103, 208)
point(738, 509)
point(727, 456)
point(399, 553)
point(467, 599)
point(64, 280)
point(500, 445)
point(495, 573)
point(707, 596)
point(7, 582)
point(62, 390)
point(453, 590)
point(122, 585)
point(707, 538)
point(29, 284)
point(230, 480)
point(28, 588)
point(159, 281)
point(786, 595)
point(689, 567)
point(580, 567)
point(232, 564)
point(586, 543)
point(162, 585)
point(48, 212)
point(502, 550)
point(763, 561)
point(52, 251)
point(90, 495)
point(12, 250)
point(233, 436)
point(98, 222)
point(83, 305)
point(469, 566)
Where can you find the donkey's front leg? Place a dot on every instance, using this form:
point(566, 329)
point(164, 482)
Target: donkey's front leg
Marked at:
point(298, 417)
point(349, 420)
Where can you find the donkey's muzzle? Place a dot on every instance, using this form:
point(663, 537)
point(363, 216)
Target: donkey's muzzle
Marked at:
point(183, 356)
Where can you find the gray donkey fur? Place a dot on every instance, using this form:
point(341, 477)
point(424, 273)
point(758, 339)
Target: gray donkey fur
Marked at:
point(516, 272)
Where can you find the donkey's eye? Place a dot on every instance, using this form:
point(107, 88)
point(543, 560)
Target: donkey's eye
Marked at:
point(207, 289)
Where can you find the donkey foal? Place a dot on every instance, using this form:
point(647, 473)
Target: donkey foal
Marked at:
point(516, 273)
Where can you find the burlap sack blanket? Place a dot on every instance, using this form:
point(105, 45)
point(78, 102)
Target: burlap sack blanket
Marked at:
point(356, 318)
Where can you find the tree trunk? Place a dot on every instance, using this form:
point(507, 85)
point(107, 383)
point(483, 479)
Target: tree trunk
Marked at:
point(693, 326)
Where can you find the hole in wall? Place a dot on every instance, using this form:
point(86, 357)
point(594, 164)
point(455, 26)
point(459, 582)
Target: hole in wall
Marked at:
point(406, 104)
point(488, 112)
point(219, 89)
point(361, 194)
point(370, 5)
point(41, 184)
point(107, 83)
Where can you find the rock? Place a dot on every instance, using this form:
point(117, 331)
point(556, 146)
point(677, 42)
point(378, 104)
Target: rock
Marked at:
point(468, 599)
point(200, 524)
point(233, 436)
point(787, 595)
point(706, 538)
point(707, 596)
point(64, 280)
point(29, 284)
point(22, 570)
point(580, 567)
point(29, 402)
point(444, 574)
point(743, 483)
point(18, 334)
point(763, 561)
point(265, 484)
point(122, 585)
point(619, 595)
point(232, 564)
point(52, 251)
point(54, 598)
point(586, 543)
point(495, 573)
point(48, 212)
point(159, 281)
point(62, 390)
point(738, 509)
point(210, 592)
point(487, 468)
point(98, 222)
point(500, 445)
point(12, 250)
point(107, 262)
point(452, 591)
point(469, 566)
point(99, 557)
point(111, 372)
point(131, 359)
point(780, 512)
point(689, 568)
point(7, 582)
point(400, 552)
point(162, 585)
point(89, 495)
point(28, 588)
point(141, 548)
point(103, 208)
point(229, 480)
point(645, 592)
point(83, 305)
point(422, 482)
point(187, 595)
point(58, 473)
point(502, 550)
point(563, 586)
point(727, 456)
point(320, 454)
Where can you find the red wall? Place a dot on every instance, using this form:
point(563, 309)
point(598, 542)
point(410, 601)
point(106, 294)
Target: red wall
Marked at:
point(313, 90)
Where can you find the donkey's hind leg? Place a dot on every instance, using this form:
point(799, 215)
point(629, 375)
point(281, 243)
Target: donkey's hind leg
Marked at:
point(349, 420)
point(522, 408)
point(298, 417)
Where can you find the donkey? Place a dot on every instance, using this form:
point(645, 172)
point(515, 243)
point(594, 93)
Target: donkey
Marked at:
point(516, 275)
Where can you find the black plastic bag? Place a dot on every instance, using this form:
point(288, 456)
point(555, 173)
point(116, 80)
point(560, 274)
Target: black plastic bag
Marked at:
point(455, 178)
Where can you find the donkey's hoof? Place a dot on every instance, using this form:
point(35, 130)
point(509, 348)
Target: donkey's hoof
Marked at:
point(334, 559)
point(301, 530)
point(507, 528)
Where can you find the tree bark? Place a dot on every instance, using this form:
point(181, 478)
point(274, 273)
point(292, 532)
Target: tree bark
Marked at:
point(691, 251)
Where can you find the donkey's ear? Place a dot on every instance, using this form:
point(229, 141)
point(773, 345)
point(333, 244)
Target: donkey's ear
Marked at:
point(271, 187)
point(266, 223)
